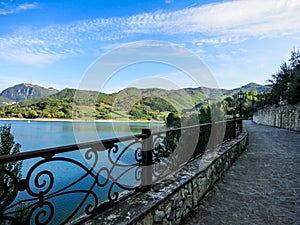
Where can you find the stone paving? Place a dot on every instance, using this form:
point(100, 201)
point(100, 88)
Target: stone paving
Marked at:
point(262, 186)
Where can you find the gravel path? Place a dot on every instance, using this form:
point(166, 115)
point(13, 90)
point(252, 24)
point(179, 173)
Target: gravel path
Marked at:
point(262, 186)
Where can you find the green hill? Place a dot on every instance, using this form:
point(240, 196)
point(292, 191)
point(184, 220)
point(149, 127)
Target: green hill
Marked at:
point(4, 101)
point(250, 87)
point(132, 103)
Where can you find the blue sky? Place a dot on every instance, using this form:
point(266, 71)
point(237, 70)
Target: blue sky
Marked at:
point(53, 43)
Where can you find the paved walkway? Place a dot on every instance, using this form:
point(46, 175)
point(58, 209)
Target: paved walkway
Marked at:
point(263, 185)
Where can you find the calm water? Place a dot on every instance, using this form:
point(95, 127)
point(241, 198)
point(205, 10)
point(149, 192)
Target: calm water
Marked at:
point(35, 135)
point(41, 134)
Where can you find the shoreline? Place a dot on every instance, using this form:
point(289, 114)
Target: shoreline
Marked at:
point(82, 120)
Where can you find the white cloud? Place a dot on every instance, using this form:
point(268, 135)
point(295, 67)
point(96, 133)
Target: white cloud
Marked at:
point(220, 40)
point(235, 18)
point(28, 51)
point(26, 57)
point(168, 1)
point(11, 8)
point(225, 22)
point(27, 6)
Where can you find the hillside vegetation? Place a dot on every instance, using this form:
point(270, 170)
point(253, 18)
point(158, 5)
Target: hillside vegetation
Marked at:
point(152, 103)
point(130, 103)
point(91, 104)
point(4, 101)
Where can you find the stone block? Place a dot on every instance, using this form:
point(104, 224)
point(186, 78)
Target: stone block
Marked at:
point(168, 210)
point(159, 216)
point(180, 204)
point(148, 220)
point(189, 201)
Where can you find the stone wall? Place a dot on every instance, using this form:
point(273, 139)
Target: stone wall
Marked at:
point(170, 201)
point(287, 117)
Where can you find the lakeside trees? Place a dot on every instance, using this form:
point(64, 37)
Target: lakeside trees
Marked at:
point(8, 147)
point(286, 82)
point(249, 104)
point(285, 89)
point(88, 104)
point(9, 171)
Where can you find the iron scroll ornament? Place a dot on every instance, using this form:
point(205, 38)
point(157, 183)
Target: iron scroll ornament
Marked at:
point(115, 170)
point(42, 187)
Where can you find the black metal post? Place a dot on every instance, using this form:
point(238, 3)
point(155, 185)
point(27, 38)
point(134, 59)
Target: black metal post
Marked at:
point(240, 107)
point(241, 125)
point(233, 125)
point(147, 149)
point(240, 97)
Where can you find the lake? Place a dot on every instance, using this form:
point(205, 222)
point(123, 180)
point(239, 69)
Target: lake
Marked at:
point(33, 135)
point(69, 200)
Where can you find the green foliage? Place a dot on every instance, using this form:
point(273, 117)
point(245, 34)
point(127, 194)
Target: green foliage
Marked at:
point(293, 93)
point(126, 98)
point(173, 120)
point(150, 108)
point(8, 147)
point(204, 114)
point(251, 102)
point(4, 101)
point(157, 104)
point(137, 103)
point(164, 149)
point(140, 112)
point(286, 82)
point(103, 111)
point(21, 212)
point(285, 88)
point(90, 104)
point(172, 140)
point(295, 58)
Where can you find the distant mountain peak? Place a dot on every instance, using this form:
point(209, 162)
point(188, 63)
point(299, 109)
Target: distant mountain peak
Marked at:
point(26, 91)
point(250, 87)
point(252, 84)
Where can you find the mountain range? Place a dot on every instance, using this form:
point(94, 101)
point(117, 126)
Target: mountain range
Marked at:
point(25, 91)
point(33, 101)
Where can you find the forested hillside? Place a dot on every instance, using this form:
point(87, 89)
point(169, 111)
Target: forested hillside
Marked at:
point(129, 103)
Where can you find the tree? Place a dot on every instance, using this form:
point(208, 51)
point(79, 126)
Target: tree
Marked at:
point(170, 142)
point(173, 120)
point(31, 114)
point(293, 93)
point(295, 58)
point(8, 147)
point(280, 82)
point(286, 82)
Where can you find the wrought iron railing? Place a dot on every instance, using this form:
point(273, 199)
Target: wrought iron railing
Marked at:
point(76, 182)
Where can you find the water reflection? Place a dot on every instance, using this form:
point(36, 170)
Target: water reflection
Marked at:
point(44, 134)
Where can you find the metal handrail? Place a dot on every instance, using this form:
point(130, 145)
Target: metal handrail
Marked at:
point(49, 152)
point(106, 143)
point(39, 181)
